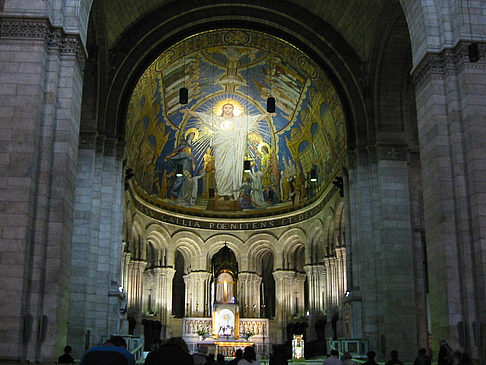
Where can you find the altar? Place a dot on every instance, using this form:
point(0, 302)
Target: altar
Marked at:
point(225, 332)
point(254, 333)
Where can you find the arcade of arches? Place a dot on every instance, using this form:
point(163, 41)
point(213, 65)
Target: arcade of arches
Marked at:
point(149, 187)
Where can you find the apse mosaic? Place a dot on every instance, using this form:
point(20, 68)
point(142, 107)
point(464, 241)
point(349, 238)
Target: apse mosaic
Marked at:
point(222, 151)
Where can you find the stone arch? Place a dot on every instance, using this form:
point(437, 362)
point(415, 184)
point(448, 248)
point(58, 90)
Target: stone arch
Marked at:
point(257, 246)
point(127, 221)
point(136, 234)
point(423, 25)
point(340, 224)
point(314, 246)
point(138, 46)
point(328, 233)
point(290, 242)
point(189, 245)
point(391, 65)
point(215, 243)
point(159, 238)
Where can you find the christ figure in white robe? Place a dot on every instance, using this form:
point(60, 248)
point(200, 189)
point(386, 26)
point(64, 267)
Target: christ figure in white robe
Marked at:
point(229, 134)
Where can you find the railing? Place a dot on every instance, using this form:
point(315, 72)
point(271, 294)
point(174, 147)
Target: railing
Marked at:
point(135, 344)
point(258, 327)
point(358, 348)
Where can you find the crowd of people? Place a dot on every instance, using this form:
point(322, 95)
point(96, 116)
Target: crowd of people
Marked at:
point(175, 351)
point(445, 357)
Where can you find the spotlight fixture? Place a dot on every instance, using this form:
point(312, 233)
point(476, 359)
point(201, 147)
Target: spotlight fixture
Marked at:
point(271, 105)
point(313, 175)
point(179, 171)
point(473, 52)
point(338, 181)
point(128, 175)
point(183, 95)
point(246, 166)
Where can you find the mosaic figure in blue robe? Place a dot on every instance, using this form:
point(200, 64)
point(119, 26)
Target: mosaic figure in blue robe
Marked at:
point(182, 159)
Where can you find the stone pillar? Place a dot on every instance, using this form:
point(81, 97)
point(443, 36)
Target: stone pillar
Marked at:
point(285, 295)
point(135, 292)
point(298, 293)
point(197, 294)
point(40, 89)
point(97, 243)
point(249, 294)
point(341, 274)
point(451, 111)
point(126, 257)
point(317, 292)
point(163, 295)
point(381, 245)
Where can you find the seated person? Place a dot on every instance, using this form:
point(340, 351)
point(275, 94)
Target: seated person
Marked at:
point(112, 352)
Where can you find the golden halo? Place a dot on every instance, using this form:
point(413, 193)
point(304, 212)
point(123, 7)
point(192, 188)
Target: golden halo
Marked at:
point(238, 108)
point(263, 144)
point(193, 130)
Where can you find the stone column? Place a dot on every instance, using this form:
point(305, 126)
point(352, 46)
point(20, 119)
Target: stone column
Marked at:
point(298, 294)
point(125, 269)
point(197, 293)
point(317, 291)
point(40, 89)
point(136, 269)
point(283, 295)
point(163, 295)
point(341, 274)
point(249, 294)
point(450, 98)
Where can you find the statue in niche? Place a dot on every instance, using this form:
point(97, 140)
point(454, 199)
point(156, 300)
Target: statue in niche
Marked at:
point(224, 288)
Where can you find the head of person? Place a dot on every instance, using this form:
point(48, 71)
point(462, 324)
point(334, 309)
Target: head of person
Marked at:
point(117, 341)
point(179, 342)
point(347, 356)
point(371, 355)
point(68, 349)
point(334, 353)
point(227, 111)
point(249, 353)
point(203, 349)
point(442, 341)
point(422, 351)
point(394, 354)
point(239, 353)
point(190, 137)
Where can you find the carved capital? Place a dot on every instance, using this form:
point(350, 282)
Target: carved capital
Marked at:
point(450, 60)
point(40, 29)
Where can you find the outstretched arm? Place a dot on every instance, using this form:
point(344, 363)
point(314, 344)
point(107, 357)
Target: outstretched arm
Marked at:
point(266, 115)
point(203, 118)
point(192, 113)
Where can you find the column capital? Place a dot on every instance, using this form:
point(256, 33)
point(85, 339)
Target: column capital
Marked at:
point(248, 276)
point(314, 269)
point(201, 275)
point(284, 274)
point(138, 265)
point(167, 272)
point(436, 65)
